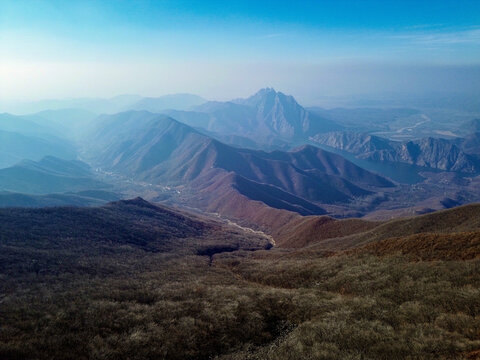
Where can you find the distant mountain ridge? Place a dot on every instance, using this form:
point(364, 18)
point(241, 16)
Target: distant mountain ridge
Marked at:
point(284, 116)
point(28, 137)
point(161, 103)
point(111, 105)
point(265, 117)
point(429, 152)
point(24, 124)
point(70, 123)
point(81, 198)
point(15, 147)
point(49, 175)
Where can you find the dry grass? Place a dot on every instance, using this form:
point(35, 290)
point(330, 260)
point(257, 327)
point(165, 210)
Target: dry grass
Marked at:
point(304, 231)
point(428, 246)
point(122, 300)
point(366, 307)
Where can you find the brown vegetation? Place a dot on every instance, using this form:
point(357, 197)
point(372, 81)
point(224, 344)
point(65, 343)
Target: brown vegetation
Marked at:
point(175, 287)
point(429, 246)
point(303, 231)
point(460, 219)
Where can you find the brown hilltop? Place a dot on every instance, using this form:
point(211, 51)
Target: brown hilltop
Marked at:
point(452, 234)
point(429, 246)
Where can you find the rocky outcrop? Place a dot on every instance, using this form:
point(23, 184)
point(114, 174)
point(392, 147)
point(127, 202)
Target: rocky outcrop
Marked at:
point(429, 152)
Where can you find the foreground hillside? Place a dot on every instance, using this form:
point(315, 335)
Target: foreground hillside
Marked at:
point(425, 233)
point(131, 280)
point(127, 223)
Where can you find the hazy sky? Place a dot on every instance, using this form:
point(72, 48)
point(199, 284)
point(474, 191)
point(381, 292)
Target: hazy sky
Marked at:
point(225, 49)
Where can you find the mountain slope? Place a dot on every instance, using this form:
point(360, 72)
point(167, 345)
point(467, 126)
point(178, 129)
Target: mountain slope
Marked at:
point(283, 116)
point(25, 124)
point(49, 175)
point(71, 123)
point(460, 219)
point(434, 153)
point(30, 137)
point(452, 234)
point(159, 150)
point(125, 275)
point(472, 126)
point(219, 117)
point(134, 223)
point(268, 117)
point(15, 147)
point(429, 247)
point(471, 143)
point(81, 198)
point(460, 224)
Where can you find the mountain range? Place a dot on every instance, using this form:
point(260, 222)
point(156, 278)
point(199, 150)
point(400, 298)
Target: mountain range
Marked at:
point(29, 137)
point(49, 175)
point(157, 149)
point(267, 117)
point(249, 243)
point(166, 102)
point(110, 105)
point(237, 157)
point(79, 198)
point(435, 153)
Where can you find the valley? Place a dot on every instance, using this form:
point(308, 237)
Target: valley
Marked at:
point(246, 229)
point(292, 163)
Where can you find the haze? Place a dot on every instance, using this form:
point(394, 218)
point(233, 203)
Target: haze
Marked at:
point(222, 50)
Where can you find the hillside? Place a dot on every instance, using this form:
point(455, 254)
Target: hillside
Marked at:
point(267, 117)
point(447, 234)
point(25, 124)
point(30, 137)
point(127, 222)
point(429, 246)
point(471, 126)
point(49, 175)
point(159, 150)
point(15, 147)
point(304, 231)
point(81, 198)
point(457, 220)
point(130, 279)
point(219, 117)
point(432, 153)
point(70, 123)
point(284, 116)
point(471, 143)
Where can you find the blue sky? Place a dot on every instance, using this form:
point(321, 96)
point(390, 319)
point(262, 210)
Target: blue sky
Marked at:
point(229, 48)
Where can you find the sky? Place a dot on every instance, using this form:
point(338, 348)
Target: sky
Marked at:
point(226, 49)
